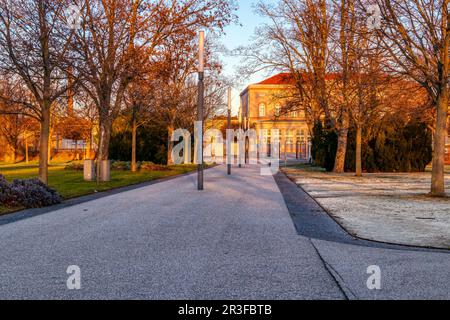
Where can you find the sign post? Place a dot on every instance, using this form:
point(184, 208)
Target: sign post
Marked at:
point(229, 128)
point(201, 89)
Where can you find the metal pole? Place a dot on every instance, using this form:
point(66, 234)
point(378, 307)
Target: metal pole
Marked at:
point(229, 127)
point(285, 153)
point(201, 89)
point(200, 118)
point(243, 125)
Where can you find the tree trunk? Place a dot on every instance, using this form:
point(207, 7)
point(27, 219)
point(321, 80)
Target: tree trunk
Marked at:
point(89, 146)
point(12, 153)
point(438, 179)
point(44, 145)
point(26, 150)
point(133, 146)
point(346, 46)
point(170, 130)
point(49, 157)
point(76, 151)
point(105, 137)
point(339, 164)
point(358, 151)
point(103, 147)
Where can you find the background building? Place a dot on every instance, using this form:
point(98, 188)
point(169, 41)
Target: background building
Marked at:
point(262, 110)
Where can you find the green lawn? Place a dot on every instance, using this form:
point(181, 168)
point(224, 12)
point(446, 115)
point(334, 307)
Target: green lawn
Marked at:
point(70, 184)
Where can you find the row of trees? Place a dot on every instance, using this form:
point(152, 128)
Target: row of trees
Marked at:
point(354, 61)
point(105, 55)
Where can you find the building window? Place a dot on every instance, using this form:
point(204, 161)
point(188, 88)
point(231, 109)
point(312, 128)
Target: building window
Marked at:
point(264, 136)
point(301, 135)
point(294, 114)
point(290, 140)
point(262, 110)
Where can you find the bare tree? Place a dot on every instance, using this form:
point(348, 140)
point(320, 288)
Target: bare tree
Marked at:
point(348, 40)
point(11, 130)
point(104, 51)
point(113, 32)
point(316, 42)
point(416, 34)
point(175, 85)
point(34, 47)
point(140, 102)
point(296, 40)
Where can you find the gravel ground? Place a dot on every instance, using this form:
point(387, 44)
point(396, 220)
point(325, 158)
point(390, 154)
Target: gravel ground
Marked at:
point(384, 207)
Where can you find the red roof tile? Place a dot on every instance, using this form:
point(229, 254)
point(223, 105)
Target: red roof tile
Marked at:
point(288, 79)
point(280, 79)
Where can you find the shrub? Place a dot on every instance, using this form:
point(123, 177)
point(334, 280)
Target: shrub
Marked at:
point(393, 147)
point(150, 166)
point(121, 165)
point(75, 166)
point(151, 142)
point(324, 146)
point(8, 197)
point(30, 193)
point(400, 148)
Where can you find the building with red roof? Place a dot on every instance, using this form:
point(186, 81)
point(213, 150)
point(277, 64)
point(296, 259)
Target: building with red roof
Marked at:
point(262, 109)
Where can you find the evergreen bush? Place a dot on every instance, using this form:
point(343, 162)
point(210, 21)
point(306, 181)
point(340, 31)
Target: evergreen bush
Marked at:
point(393, 147)
point(31, 193)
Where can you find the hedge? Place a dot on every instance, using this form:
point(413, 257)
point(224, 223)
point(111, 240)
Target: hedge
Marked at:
point(392, 148)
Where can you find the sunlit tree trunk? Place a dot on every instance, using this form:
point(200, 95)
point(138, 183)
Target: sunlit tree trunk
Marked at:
point(44, 145)
point(76, 150)
point(339, 165)
point(133, 145)
point(438, 178)
point(105, 129)
point(347, 46)
point(26, 151)
point(358, 150)
point(11, 149)
point(49, 145)
point(170, 130)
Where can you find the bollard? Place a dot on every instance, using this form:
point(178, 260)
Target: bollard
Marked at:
point(105, 171)
point(89, 170)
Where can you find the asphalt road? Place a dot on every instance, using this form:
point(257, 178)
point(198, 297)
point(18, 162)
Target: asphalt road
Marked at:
point(235, 240)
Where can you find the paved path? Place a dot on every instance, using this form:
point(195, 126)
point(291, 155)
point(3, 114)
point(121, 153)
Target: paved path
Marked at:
point(236, 240)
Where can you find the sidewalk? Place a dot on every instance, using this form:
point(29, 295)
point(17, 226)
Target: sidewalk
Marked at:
point(235, 240)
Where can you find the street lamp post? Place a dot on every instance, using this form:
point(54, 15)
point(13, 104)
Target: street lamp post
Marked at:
point(229, 128)
point(201, 89)
point(243, 127)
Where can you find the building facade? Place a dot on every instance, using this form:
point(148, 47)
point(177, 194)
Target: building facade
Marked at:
point(262, 110)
